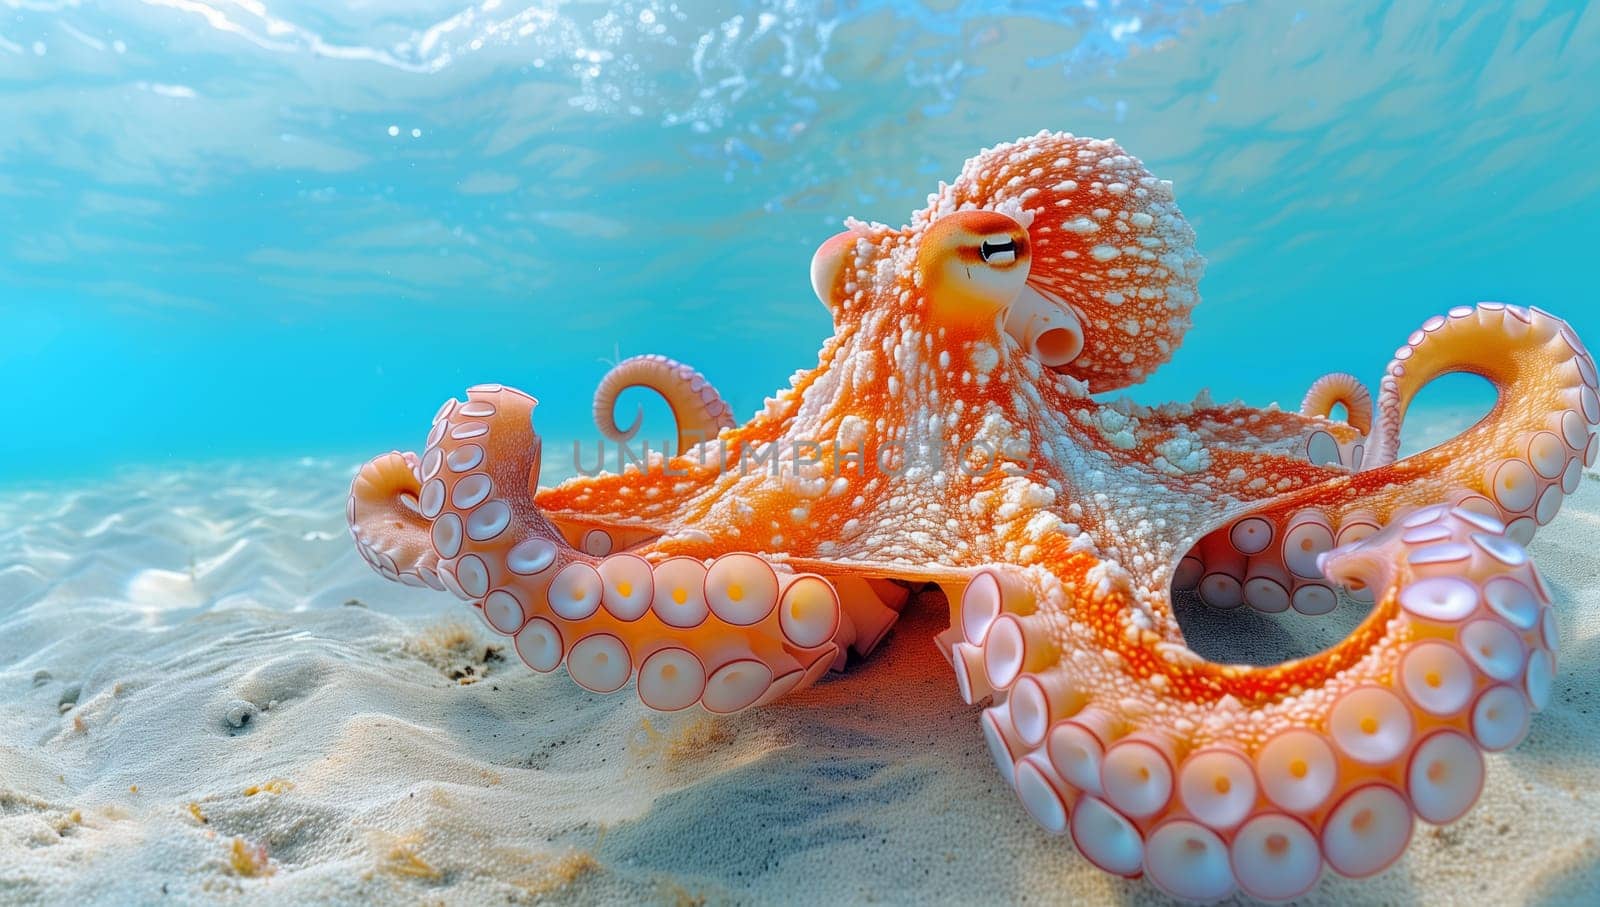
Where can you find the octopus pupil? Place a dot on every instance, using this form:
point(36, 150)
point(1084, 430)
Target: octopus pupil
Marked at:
point(986, 248)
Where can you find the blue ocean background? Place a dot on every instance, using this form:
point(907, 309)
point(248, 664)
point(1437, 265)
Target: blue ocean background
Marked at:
point(270, 228)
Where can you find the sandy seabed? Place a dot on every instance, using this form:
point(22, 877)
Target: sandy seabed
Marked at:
point(206, 696)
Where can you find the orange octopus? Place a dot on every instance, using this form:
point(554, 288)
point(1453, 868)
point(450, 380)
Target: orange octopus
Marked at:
point(947, 436)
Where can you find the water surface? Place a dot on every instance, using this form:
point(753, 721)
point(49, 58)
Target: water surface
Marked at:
point(282, 228)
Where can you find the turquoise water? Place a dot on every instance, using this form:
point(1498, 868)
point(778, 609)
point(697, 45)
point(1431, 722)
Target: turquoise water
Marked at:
point(275, 228)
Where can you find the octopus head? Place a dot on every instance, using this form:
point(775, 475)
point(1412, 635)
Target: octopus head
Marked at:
point(1111, 272)
point(1067, 244)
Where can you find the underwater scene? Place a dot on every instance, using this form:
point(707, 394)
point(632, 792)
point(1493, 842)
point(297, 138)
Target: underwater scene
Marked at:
point(767, 452)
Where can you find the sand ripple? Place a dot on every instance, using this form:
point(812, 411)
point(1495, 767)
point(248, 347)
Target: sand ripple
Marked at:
point(206, 696)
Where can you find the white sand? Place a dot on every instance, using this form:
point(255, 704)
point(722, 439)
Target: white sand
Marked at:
point(138, 615)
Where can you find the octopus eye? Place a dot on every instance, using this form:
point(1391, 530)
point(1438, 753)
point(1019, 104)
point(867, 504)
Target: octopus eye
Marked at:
point(1001, 251)
point(973, 264)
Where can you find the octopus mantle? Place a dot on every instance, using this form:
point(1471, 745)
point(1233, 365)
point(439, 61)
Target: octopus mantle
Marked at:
point(947, 436)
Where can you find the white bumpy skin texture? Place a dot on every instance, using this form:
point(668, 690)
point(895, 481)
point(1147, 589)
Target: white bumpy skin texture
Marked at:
point(1052, 267)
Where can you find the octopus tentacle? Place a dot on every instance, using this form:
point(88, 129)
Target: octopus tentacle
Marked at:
point(1529, 355)
point(1515, 465)
point(1267, 558)
point(1340, 389)
point(390, 534)
point(627, 506)
point(726, 633)
point(1218, 776)
point(699, 410)
point(599, 511)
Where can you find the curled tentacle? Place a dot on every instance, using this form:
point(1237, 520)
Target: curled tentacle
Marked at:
point(1516, 465)
point(1206, 778)
point(1532, 358)
point(726, 633)
point(699, 410)
point(390, 533)
point(1340, 389)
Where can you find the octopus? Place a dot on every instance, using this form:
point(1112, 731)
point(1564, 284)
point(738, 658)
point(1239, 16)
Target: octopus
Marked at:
point(949, 437)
